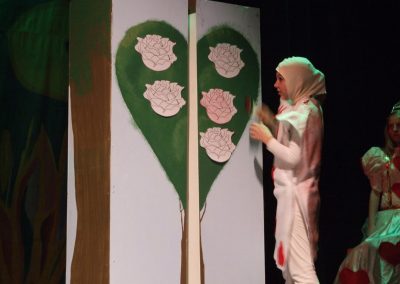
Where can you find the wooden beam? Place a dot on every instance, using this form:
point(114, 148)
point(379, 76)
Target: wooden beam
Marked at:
point(193, 202)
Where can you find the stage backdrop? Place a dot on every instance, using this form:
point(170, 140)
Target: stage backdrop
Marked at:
point(149, 149)
point(232, 229)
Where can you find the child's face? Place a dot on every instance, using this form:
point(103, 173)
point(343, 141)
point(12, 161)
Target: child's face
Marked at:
point(393, 127)
point(280, 85)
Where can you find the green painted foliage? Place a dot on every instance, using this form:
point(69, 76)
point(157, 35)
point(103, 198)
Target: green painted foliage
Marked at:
point(167, 136)
point(37, 43)
point(244, 87)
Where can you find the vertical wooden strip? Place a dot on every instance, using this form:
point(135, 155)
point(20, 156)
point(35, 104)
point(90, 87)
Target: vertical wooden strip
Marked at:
point(90, 83)
point(193, 258)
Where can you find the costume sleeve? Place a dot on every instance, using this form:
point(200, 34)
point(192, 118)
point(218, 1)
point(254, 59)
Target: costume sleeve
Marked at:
point(374, 163)
point(289, 154)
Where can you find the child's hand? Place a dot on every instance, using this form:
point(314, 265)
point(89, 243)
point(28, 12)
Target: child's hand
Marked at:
point(260, 132)
point(265, 114)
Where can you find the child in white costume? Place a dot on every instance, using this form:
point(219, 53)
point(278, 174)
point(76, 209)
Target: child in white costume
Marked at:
point(296, 145)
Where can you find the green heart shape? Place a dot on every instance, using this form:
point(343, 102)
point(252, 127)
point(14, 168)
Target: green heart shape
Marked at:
point(244, 87)
point(167, 136)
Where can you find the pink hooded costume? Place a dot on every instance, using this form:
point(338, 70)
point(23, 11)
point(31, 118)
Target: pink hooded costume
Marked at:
point(297, 152)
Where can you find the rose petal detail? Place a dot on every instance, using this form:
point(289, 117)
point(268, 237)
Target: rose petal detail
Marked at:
point(219, 105)
point(156, 51)
point(226, 59)
point(165, 97)
point(218, 143)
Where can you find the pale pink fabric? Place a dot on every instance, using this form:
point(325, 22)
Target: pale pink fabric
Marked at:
point(300, 267)
point(376, 258)
point(296, 175)
point(302, 79)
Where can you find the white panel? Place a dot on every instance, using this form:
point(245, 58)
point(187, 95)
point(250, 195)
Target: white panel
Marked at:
point(145, 218)
point(145, 224)
point(71, 200)
point(233, 224)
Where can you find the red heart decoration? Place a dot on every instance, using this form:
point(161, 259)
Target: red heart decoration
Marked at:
point(396, 189)
point(396, 162)
point(348, 276)
point(281, 255)
point(390, 252)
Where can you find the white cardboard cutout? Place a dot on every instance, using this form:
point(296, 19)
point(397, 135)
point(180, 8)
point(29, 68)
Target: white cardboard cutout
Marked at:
point(218, 143)
point(165, 97)
point(156, 52)
point(226, 59)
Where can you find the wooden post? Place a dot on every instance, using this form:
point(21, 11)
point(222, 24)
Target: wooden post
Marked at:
point(193, 218)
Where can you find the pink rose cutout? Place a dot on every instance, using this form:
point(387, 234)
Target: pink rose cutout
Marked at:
point(156, 52)
point(219, 105)
point(226, 59)
point(165, 97)
point(218, 143)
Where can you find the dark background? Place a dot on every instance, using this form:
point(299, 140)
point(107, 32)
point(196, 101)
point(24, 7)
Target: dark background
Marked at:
point(356, 45)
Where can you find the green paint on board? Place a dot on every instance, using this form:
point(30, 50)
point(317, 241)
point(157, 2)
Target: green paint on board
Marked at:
point(167, 136)
point(244, 86)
